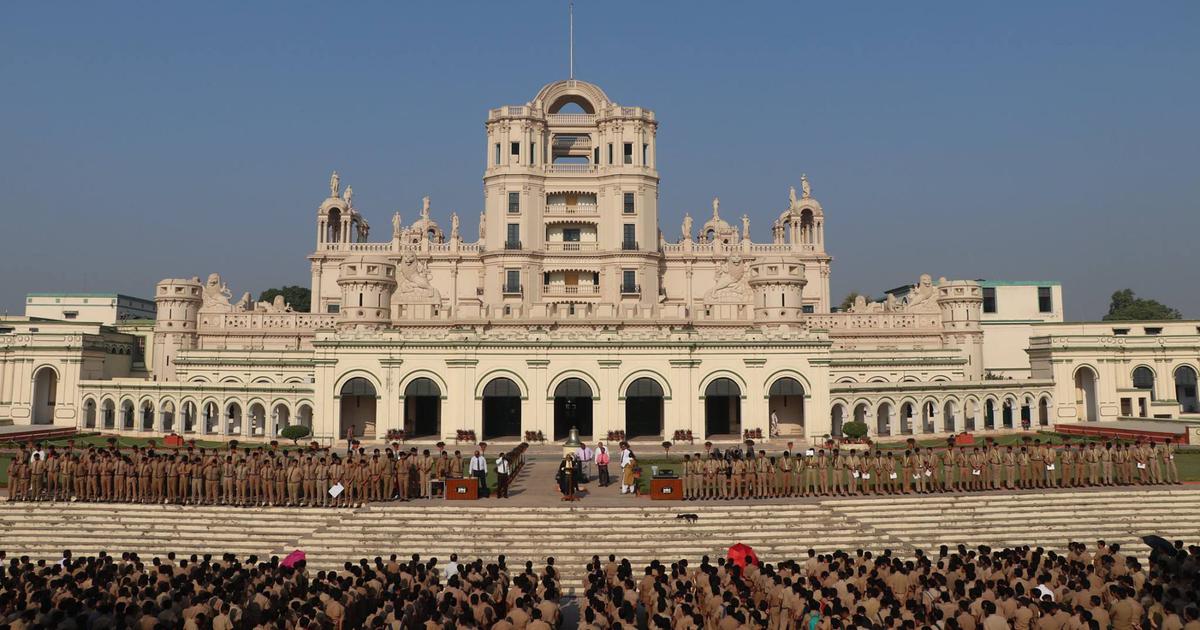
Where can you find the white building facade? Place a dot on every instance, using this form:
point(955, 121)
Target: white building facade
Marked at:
point(571, 308)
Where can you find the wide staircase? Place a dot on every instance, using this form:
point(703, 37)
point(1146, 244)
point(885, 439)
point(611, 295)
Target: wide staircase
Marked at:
point(641, 531)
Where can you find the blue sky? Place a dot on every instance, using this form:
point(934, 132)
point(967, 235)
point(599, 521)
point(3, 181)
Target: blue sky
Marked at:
point(1035, 141)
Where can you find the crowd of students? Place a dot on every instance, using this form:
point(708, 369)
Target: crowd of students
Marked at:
point(951, 589)
point(954, 589)
point(249, 476)
point(849, 470)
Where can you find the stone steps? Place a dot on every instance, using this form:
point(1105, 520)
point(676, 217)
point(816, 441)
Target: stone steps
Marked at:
point(572, 535)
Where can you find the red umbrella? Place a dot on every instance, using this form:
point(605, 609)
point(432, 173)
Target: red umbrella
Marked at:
point(742, 555)
point(292, 558)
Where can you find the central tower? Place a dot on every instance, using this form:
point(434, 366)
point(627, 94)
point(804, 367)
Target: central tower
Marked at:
point(571, 201)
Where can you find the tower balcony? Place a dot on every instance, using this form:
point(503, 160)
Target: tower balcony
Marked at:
point(572, 247)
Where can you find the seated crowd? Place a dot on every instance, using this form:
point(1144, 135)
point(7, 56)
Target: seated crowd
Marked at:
point(953, 589)
point(848, 471)
point(249, 476)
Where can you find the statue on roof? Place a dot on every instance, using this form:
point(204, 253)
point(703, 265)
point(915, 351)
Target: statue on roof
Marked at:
point(397, 225)
point(425, 207)
point(335, 183)
point(791, 196)
point(805, 188)
point(453, 226)
point(349, 196)
point(482, 225)
point(746, 226)
point(687, 227)
point(716, 207)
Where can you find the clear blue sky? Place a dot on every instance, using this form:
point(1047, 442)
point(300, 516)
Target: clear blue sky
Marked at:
point(1032, 140)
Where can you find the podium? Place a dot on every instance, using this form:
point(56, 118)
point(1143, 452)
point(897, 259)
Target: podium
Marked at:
point(462, 489)
point(666, 489)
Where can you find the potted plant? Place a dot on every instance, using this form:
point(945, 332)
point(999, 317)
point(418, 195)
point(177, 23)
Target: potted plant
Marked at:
point(667, 448)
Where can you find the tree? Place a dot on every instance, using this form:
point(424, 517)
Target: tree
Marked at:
point(295, 432)
point(299, 298)
point(1125, 306)
point(855, 430)
point(848, 301)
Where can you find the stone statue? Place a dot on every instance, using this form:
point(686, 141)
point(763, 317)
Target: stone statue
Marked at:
point(482, 225)
point(805, 189)
point(245, 304)
point(890, 305)
point(923, 295)
point(716, 207)
point(777, 231)
point(216, 294)
point(687, 227)
point(349, 196)
point(425, 207)
point(278, 305)
point(860, 304)
point(791, 196)
point(453, 226)
point(335, 182)
point(397, 224)
point(730, 285)
point(412, 281)
point(364, 230)
point(746, 226)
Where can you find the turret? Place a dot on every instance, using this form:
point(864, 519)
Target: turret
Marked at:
point(778, 285)
point(178, 302)
point(367, 283)
point(961, 303)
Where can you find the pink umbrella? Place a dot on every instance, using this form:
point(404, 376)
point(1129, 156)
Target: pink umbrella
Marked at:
point(292, 559)
point(742, 555)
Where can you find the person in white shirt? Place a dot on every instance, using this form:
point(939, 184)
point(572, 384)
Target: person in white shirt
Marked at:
point(503, 470)
point(586, 456)
point(626, 461)
point(479, 472)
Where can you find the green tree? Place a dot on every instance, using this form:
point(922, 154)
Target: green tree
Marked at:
point(848, 301)
point(1125, 306)
point(295, 432)
point(299, 298)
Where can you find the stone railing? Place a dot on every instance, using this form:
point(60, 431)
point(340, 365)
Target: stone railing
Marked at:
point(266, 321)
point(370, 247)
point(578, 209)
point(571, 119)
point(572, 247)
point(565, 289)
point(874, 321)
point(571, 168)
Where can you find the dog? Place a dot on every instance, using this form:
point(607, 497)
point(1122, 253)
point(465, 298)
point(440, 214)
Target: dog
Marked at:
point(690, 518)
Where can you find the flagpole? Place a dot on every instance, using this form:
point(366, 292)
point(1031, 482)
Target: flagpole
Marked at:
point(571, 45)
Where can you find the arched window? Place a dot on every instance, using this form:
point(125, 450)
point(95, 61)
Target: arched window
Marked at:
point(500, 388)
point(422, 387)
point(1143, 378)
point(723, 387)
point(644, 387)
point(573, 388)
point(358, 386)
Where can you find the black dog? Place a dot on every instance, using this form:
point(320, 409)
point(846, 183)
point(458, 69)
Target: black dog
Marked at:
point(690, 518)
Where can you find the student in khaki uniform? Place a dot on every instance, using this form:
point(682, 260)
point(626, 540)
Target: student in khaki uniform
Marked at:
point(195, 473)
point(1050, 465)
point(686, 471)
point(425, 471)
point(908, 472)
point(402, 475)
point(1067, 462)
point(739, 477)
point(764, 474)
point(964, 479)
point(280, 475)
point(322, 484)
point(995, 460)
point(308, 483)
point(1170, 469)
point(838, 464)
point(1010, 468)
point(294, 478)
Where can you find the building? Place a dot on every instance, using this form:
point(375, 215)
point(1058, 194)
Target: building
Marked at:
point(102, 308)
point(574, 307)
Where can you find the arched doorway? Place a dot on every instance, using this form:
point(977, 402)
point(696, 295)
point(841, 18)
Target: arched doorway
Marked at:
point(1143, 379)
point(212, 419)
point(357, 398)
point(127, 415)
point(970, 415)
point(147, 416)
point(883, 420)
point(1085, 395)
point(1008, 410)
point(166, 411)
point(257, 420)
point(948, 419)
point(643, 408)
point(281, 417)
point(45, 395)
point(304, 417)
point(422, 408)
point(1185, 389)
point(108, 415)
point(989, 414)
point(89, 414)
point(233, 419)
point(189, 417)
point(837, 417)
point(906, 418)
point(928, 411)
point(1043, 412)
point(787, 405)
point(501, 409)
point(861, 410)
point(723, 408)
point(572, 408)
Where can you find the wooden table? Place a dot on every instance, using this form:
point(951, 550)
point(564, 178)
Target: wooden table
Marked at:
point(462, 489)
point(666, 489)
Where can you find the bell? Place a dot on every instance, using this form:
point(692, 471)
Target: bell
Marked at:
point(573, 439)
